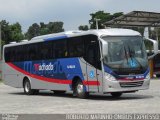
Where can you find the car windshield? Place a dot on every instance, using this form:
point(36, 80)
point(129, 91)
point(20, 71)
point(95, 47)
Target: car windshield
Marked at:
point(126, 52)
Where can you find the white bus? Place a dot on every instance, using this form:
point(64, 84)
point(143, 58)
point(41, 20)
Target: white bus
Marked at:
point(96, 61)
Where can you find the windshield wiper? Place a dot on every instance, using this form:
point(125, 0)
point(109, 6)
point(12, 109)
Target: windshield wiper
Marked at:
point(125, 53)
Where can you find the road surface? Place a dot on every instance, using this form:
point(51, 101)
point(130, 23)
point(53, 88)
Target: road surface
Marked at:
point(13, 101)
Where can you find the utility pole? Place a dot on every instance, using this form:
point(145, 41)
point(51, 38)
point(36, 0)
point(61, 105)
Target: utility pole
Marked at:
point(97, 22)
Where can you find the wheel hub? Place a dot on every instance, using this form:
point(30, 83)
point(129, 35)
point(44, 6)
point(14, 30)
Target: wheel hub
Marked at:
point(27, 87)
point(79, 88)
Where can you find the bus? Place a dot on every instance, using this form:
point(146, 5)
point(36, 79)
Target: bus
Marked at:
point(102, 61)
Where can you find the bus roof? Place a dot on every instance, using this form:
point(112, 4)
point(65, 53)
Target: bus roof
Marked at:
point(100, 32)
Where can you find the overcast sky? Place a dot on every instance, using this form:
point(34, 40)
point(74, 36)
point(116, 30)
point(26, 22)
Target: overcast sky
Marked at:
point(72, 12)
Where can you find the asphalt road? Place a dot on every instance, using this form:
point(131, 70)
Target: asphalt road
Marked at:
point(13, 101)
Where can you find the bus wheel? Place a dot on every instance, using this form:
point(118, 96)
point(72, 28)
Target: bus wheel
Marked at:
point(80, 91)
point(116, 94)
point(58, 92)
point(27, 88)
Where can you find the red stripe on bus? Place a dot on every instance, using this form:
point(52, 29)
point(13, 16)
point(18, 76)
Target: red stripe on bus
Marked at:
point(40, 77)
point(93, 83)
point(58, 81)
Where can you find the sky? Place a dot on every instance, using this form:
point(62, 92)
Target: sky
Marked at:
point(72, 12)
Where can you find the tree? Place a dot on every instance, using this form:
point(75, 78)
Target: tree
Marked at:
point(115, 15)
point(43, 29)
point(33, 31)
point(103, 17)
point(83, 27)
point(55, 27)
point(16, 32)
point(5, 31)
point(10, 32)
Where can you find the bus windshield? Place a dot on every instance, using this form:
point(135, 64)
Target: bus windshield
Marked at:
point(126, 54)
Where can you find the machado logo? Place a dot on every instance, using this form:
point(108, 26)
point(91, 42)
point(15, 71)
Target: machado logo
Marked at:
point(43, 67)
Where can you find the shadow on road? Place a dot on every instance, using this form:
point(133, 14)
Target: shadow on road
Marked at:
point(125, 96)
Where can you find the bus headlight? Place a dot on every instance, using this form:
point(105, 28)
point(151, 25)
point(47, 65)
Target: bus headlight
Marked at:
point(148, 76)
point(109, 77)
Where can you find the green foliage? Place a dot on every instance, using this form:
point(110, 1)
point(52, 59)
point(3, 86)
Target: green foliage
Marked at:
point(83, 27)
point(104, 17)
point(5, 31)
point(43, 29)
point(13, 32)
point(55, 27)
point(10, 32)
point(3, 42)
point(16, 32)
point(33, 31)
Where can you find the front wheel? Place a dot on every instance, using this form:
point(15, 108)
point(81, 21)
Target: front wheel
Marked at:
point(116, 94)
point(80, 90)
point(27, 88)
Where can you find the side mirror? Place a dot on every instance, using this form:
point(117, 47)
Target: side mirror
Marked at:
point(105, 48)
point(155, 47)
point(155, 44)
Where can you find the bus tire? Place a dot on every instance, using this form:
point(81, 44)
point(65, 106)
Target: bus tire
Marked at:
point(35, 92)
point(27, 88)
point(79, 90)
point(116, 94)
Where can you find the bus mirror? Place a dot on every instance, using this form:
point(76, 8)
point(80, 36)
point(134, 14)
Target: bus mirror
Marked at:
point(105, 48)
point(153, 45)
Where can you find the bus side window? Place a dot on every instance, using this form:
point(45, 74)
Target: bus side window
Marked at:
point(7, 54)
point(92, 55)
point(13, 56)
point(25, 53)
point(60, 49)
point(76, 47)
point(32, 52)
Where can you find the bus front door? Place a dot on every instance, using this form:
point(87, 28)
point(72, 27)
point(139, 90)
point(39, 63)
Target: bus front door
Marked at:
point(93, 66)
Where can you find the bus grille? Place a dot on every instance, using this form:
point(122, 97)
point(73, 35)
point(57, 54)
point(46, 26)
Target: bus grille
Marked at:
point(131, 84)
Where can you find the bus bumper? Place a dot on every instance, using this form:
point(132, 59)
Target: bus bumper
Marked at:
point(126, 86)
